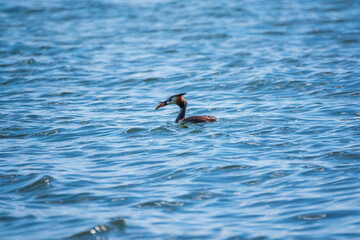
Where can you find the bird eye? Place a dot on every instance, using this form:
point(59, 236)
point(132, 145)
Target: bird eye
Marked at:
point(170, 99)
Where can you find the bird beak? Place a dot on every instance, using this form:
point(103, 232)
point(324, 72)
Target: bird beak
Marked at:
point(161, 104)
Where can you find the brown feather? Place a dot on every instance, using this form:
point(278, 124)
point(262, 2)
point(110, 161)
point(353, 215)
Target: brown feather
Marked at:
point(180, 101)
point(200, 119)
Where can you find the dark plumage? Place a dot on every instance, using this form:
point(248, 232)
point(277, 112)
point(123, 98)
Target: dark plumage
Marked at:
point(179, 100)
point(200, 119)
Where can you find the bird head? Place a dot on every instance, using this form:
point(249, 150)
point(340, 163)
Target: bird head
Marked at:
point(171, 100)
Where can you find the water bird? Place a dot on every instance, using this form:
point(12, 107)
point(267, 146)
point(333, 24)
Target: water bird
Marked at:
point(179, 100)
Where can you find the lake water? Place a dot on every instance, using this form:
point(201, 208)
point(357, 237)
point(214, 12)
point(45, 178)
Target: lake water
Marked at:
point(84, 156)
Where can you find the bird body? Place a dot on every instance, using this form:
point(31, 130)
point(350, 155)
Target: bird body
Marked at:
point(200, 119)
point(181, 102)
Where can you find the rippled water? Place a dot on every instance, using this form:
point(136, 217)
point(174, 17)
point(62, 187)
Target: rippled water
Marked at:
point(84, 156)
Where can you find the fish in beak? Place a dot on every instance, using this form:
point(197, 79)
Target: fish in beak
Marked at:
point(161, 104)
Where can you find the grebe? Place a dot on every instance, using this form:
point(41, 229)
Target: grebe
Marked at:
point(179, 100)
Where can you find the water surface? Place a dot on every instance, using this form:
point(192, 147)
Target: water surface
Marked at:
point(84, 156)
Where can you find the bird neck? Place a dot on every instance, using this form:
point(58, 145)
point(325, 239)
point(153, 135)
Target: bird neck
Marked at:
point(181, 114)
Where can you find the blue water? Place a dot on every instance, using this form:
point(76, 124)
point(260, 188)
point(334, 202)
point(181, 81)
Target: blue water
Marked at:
point(84, 156)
